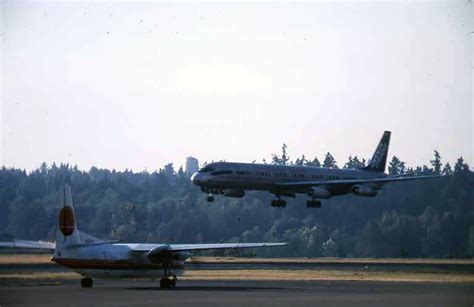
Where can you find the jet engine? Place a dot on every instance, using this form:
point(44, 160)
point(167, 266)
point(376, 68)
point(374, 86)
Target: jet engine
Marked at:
point(363, 190)
point(233, 193)
point(318, 192)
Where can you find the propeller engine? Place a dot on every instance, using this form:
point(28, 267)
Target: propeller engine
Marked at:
point(162, 254)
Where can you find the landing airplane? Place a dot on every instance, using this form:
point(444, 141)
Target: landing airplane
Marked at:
point(93, 257)
point(232, 179)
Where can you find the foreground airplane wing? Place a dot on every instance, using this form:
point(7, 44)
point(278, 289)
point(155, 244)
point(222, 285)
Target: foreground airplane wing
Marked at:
point(29, 244)
point(160, 251)
point(143, 247)
point(302, 184)
point(195, 247)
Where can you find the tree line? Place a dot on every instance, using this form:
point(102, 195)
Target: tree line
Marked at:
point(432, 218)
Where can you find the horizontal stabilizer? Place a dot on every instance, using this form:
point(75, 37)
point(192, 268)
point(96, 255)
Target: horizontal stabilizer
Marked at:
point(29, 244)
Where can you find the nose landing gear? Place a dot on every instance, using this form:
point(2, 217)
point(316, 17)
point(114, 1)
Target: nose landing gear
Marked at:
point(210, 198)
point(86, 282)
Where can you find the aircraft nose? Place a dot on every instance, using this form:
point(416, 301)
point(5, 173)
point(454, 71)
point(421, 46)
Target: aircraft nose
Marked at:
point(195, 178)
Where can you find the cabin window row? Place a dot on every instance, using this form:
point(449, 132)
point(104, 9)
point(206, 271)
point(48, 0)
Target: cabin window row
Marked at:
point(281, 175)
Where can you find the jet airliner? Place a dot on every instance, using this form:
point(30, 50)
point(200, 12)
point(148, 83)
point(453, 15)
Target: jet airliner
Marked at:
point(93, 257)
point(233, 179)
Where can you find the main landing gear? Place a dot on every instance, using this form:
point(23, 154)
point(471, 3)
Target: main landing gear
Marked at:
point(313, 203)
point(86, 282)
point(210, 196)
point(278, 203)
point(167, 283)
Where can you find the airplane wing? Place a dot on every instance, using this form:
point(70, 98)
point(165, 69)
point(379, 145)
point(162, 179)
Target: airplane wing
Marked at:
point(303, 184)
point(195, 247)
point(29, 244)
point(158, 252)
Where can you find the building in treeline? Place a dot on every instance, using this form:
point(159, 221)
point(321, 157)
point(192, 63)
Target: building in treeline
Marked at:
point(190, 166)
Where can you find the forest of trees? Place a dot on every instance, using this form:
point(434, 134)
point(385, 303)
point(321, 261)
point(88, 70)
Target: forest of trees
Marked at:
point(432, 218)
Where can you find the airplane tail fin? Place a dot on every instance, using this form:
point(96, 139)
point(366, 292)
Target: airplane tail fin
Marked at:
point(67, 234)
point(379, 159)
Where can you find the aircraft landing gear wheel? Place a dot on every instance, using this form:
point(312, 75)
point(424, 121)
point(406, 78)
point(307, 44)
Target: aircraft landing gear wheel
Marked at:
point(86, 282)
point(173, 281)
point(166, 283)
point(210, 198)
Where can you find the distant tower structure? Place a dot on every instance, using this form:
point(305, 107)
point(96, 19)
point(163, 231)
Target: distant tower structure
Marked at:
point(191, 165)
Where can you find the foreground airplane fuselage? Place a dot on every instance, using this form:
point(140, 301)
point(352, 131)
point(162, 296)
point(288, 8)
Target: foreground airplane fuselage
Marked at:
point(118, 260)
point(233, 179)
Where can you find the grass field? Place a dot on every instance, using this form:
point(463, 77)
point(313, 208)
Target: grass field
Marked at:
point(12, 259)
point(331, 260)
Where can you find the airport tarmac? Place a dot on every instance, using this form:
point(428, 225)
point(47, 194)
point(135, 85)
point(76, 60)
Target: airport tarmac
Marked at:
point(237, 293)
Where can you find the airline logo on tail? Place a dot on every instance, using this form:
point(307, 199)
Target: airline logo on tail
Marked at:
point(66, 221)
point(379, 159)
point(379, 155)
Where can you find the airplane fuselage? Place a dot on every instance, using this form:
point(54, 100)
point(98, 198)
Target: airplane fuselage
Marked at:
point(118, 260)
point(233, 179)
point(268, 177)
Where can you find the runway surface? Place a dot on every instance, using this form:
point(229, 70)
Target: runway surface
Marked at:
point(237, 293)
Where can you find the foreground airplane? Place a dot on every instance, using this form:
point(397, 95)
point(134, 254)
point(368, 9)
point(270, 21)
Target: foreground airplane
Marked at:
point(93, 257)
point(232, 179)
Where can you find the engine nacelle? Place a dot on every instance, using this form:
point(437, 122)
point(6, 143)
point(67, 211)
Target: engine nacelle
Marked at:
point(321, 193)
point(181, 256)
point(163, 254)
point(363, 190)
point(233, 193)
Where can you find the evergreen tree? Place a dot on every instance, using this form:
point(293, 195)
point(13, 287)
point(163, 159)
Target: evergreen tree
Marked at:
point(315, 162)
point(427, 170)
point(301, 161)
point(460, 166)
point(436, 163)
point(354, 163)
point(349, 163)
point(283, 159)
point(168, 170)
point(396, 167)
point(329, 161)
point(447, 170)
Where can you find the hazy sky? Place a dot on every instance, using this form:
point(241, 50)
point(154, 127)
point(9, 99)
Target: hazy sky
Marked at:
point(137, 85)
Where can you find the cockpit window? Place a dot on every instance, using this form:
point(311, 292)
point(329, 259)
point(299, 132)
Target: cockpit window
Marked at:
point(221, 173)
point(206, 169)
